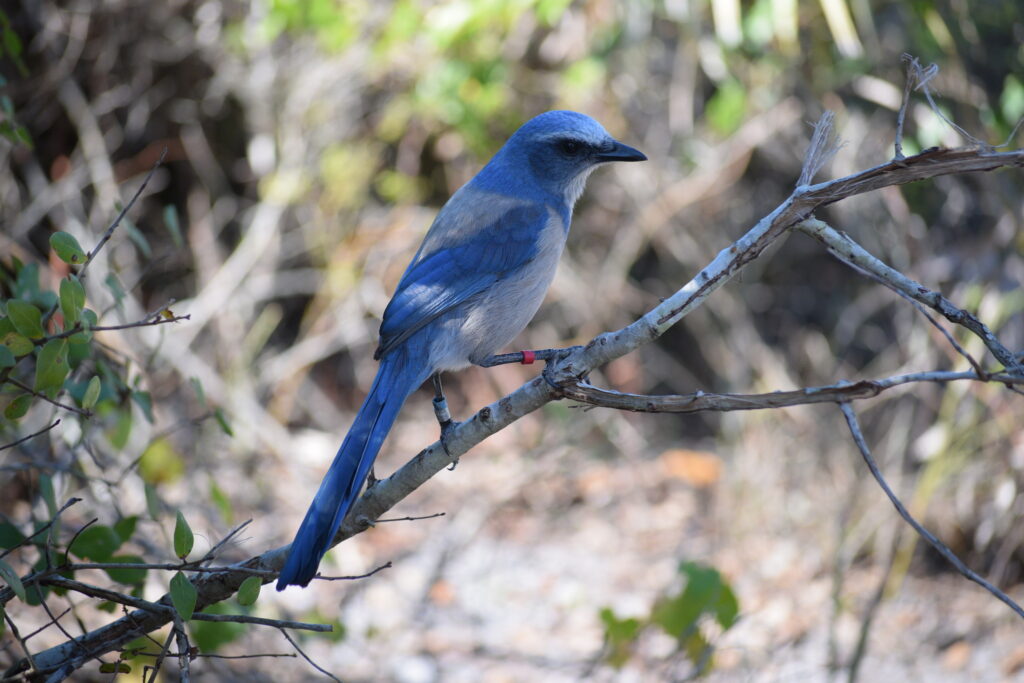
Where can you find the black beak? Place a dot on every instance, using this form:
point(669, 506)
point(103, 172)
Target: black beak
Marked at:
point(620, 152)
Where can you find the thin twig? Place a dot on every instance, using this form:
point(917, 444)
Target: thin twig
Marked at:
point(26, 388)
point(184, 651)
point(701, 401)
point(261, 621)
point(165, 566)
point(161, 656)
point(48, 624)
point(858, 437)
point(120, 216)
point(21, 642)
point(313, 664)
point(211, 554)
point(30, 436)
point(148, 321)
point(410, 519)
point(386, 565)
point(43, 529)
point(843, 247)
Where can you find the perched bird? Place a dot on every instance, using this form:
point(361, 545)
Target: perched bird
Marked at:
point(474, 284)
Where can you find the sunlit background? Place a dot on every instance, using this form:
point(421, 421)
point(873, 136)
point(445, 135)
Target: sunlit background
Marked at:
point(309, 145)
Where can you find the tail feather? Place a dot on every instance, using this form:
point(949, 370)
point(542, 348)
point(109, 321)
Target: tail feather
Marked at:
point(396, 379)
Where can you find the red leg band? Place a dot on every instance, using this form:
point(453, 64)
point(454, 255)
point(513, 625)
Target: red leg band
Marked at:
point(528, 357)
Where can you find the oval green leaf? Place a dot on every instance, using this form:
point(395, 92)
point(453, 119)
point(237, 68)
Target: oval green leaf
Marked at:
point(17, 408)
point(249, 591)
point(184, 539)
point(8, 574)
point(52, 366)
point(27, 319)
point(72, 300)
point(67, 247)
point(18, 344)
point(183, 595)
point(92, 392)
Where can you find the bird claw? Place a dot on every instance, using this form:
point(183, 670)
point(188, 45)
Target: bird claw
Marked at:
point(447, 428)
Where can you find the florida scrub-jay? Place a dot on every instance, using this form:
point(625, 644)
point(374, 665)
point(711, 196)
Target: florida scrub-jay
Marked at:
point(474, 284)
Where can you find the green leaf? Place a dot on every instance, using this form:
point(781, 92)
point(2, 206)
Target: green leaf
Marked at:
point(144, 401)
point(115, 668)
point(19, 345)
point(27, 318)
point(184, 539)
point(8, 574)
point(12, 43)
point(173, 226)
point(221, 500)
point(72, 300)
point(620, 634)
point(67, 247)
point(183, 595)
point(17, 408)
point(7, 359)
point(48, 494)
point(160, 463)
point(727, 108)
point(88, 320)
point(10, 535)
point(249, 591)
point(197, 386)
point(115, 288)
point(218, 415)
point(52, 367)
point(152, 500)
point(129, 577)
point(705, 592)
point(92, 393)
point(97, 543)
point(122, 429)
point(125, 527)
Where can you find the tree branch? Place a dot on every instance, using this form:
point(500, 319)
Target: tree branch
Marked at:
point(559, 378)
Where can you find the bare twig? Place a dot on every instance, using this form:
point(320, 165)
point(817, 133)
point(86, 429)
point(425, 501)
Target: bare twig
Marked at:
point(120, 216)
point(30, 436)
point(702, 401)
point(148, 321)
point(823, 147)
point(184, 651)
point(30, 390)
point(41, 530)
point(410, 519)
point(858, 437)
point(276, 623)
point(21, 642)
point(164, 651)
point(845, 249)
point(313, 664)
point(386, 565)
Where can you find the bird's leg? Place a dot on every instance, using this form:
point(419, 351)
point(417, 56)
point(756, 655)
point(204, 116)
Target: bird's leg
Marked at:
point(528, 357)
point(524, 357)
point(444, 418)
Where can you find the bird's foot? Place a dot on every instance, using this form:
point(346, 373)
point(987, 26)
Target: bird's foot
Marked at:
point(551, 362)
point(444, 419)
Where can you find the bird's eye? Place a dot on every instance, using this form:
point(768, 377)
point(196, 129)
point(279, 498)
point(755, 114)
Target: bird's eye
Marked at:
point(570, 148)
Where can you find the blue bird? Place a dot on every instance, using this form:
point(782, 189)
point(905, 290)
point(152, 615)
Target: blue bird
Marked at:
point(476, 281)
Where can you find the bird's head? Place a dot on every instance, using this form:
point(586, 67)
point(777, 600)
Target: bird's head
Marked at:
point(560, 149)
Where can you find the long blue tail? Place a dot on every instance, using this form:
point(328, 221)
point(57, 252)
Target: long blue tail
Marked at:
point(396, 379)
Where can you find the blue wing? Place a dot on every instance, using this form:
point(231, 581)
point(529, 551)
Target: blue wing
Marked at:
point(458, 263)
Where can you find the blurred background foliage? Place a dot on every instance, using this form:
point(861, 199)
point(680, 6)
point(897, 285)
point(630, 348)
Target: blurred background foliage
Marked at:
point(309, 144)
